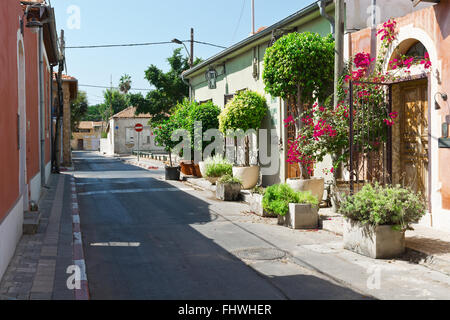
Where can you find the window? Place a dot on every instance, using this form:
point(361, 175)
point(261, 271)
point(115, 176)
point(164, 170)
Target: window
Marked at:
point(417, 50)
point(228, 98)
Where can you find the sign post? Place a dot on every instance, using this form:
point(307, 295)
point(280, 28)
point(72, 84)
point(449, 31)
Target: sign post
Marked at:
point(138, 127)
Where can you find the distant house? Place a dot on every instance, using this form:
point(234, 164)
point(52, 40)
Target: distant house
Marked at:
point(122, 137)
point(87, 136)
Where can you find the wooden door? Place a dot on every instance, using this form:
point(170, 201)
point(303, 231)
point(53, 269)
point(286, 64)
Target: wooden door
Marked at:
point(414, 136)
point(80, 144)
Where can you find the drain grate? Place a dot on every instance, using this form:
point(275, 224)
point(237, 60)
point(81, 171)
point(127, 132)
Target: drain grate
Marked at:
point(259, 254)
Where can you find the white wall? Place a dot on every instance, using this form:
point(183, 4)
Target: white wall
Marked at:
point(10, 233)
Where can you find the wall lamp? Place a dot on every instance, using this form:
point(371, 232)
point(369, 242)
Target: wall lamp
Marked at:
point(34, 24)
point(444, 97)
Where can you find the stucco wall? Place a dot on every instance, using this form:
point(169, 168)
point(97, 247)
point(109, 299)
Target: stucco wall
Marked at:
point(9, 155)
point(430, 26)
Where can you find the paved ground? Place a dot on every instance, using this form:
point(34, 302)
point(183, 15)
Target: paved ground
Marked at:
point(142, 241)
point(145, 238)
point(38, 269)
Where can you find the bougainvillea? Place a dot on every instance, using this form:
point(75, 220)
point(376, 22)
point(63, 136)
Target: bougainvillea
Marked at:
point(325, 129)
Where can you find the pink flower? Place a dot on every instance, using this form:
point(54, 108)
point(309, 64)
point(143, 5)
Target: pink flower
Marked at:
point(288, 121)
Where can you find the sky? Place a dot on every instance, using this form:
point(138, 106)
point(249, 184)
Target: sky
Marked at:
point(98, 22)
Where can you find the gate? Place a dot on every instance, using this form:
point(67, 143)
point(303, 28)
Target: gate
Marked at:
point(370, 134)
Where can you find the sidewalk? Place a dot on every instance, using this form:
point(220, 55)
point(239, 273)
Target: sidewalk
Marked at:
point(38, 268)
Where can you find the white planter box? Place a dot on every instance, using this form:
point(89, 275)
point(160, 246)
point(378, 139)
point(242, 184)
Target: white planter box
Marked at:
point(228, 191)
point(300, 216)
point(256, 206)
point(381, 242)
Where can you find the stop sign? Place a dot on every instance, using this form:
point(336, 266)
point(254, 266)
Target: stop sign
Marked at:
point(138, 127)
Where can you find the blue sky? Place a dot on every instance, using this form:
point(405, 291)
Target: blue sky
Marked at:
point(136, 21)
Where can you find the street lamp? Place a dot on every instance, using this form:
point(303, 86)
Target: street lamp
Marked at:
point(187, 51)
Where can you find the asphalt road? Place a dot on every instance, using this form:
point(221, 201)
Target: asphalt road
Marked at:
point(141, 241)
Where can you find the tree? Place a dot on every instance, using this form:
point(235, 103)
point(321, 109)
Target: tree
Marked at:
point(299, 67)
point(78, 109)
point(125, 84)
point(169, 88)
point(93, 113)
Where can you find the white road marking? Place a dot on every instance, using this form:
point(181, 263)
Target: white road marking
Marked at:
point(116, 244)
point(135, 191)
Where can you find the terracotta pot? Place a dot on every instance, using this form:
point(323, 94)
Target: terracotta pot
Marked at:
point(186, 168)
point(196, 171)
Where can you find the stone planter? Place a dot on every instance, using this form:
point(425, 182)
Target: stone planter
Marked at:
point(300, 216)
point(256, 206)
point(380, 242)
point(248, 175)
point(314, 185)
point(228, 191)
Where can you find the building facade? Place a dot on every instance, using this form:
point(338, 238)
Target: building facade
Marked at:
point(122, 138)
point(240, 67)
point(87, 136)
point(422, 163)
point(27, 57)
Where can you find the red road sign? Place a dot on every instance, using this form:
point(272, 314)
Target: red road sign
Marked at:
point(138, 127)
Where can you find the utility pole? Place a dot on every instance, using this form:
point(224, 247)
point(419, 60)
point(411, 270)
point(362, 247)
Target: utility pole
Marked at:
point(60, 105)
point(191, 59)
point(253, 17)
point(339, 47)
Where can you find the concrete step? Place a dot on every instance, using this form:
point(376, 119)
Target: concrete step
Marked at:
point(31, 221)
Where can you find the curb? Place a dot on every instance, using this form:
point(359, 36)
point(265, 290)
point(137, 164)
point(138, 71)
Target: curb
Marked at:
point(78, 253)
point(143, 165)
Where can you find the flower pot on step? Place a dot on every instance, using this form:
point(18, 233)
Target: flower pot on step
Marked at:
point(377, 242)
point(228, 191)
point(248, 175)
point(315, 185)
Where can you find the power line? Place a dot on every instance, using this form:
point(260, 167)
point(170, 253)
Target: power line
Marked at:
point(139, 44)
point(109, 87)
point(239, 21)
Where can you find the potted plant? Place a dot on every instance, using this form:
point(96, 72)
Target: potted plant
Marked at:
point(216, 167)
point(297, 210)
point(243, 113)
point(255, 200)
point(228, 188)
point(299, 68)
point(377, 218)
point(163, 132)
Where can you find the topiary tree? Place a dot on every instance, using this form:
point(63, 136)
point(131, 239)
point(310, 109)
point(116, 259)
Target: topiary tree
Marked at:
point(244, 112)
point(299, 67)
point(208, 114)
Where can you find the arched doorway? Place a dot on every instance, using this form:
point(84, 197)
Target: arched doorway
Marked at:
point(411, 135)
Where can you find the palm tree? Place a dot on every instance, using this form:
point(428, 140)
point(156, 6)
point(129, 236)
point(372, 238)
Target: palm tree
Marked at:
point(125, 84)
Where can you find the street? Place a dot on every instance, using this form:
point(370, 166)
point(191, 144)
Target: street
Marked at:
point(142, 242)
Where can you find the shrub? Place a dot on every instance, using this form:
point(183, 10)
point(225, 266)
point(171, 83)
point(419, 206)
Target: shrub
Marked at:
point(277, 198)
point(377, 205)
point(217, 166)
point(244, 112)
point(229, 179)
